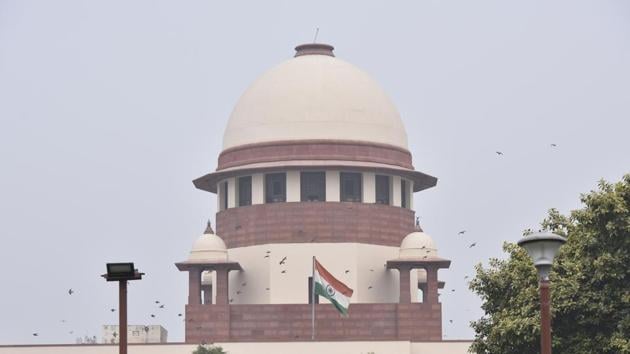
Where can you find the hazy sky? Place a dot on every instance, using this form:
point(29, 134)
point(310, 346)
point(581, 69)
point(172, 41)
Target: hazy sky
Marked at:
point(109, 109)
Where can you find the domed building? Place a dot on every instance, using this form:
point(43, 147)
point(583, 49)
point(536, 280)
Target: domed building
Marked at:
point(315, 163)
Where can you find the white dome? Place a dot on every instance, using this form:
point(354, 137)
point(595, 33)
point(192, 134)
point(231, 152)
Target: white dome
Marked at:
point(314, 96)
point(418, 245)
point(208, 248)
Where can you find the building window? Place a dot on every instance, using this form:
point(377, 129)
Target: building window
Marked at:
point(350, 186)
point(313, 186)
point(404, 194)
point(275, 187)
point(224, 195)
point(382, 189)
point(245, 191)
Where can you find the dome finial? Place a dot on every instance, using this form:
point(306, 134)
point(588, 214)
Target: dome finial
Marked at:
point(314, 49)
point(209, 230)
point(418, 228)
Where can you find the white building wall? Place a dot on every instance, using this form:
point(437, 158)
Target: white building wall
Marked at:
point(371, 281)
point(135, 334)
point(353, 347)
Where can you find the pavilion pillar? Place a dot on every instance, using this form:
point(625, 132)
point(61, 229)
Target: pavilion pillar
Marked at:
point(222, 286)
point(431, 295)
point(405, 285)
point(194, 286)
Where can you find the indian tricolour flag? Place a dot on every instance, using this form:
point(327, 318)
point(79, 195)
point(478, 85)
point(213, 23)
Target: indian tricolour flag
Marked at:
point(329, 287)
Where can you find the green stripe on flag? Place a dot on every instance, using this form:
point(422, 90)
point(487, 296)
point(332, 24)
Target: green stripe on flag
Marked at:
point(319, 290)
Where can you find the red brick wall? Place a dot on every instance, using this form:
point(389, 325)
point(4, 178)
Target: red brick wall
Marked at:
point(292, 322)
point(314, 150)
point(314, 222)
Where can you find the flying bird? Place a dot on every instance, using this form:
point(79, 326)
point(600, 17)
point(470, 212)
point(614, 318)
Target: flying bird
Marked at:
point(466, 277)
point(244, 284)
point(157, 302)
point(238, 292)
point(266, 288)
point(70, 291)
point(152, 316)
point(35, 334)
point(179, 315)
point(371, 270)
point(472, 245)
point(161, 306)
point(267, 256)
point(554, 145)
point(453, 290)
point(451, 321)
point(347, 271)
point(283, 261)
point(499, 153)
point(284, 271)
point(112, 310)
point(461, 232)
point(369, 287)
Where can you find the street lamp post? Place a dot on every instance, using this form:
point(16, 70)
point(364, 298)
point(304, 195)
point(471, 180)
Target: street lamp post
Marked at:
point(542, 248)
point(122, 272)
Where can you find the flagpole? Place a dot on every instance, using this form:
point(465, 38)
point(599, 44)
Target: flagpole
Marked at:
point(313, 300)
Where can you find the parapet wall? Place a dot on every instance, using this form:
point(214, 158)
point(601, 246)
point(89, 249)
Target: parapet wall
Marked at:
point(292, 322)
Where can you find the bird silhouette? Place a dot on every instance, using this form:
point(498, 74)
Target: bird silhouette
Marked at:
point(284, 271)
point(267, 256)
point(461, 232)
point(451, 321)
point(244, 284)
point(179, 315)
point(472, 245)
point(268, 252)
point(453, 290)
point(35, 334)
point(369, 287)
point(283, 261)
point(466, 277)
point(70, 291)
point(152, 316)
point(112, 310)
point(266, 288)
point(371, 270)
point(347, 271)
point(553, 145)
point(499, 153)
point(238, 292)
point(157, 302)
point(161, 306)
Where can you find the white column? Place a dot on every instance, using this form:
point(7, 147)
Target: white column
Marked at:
point(293, 186)
point(258, 188)
point(231, 192)
point(410, 184)
point(396, 191)
point(219, 196)
point(332, 186)
point(369, 187)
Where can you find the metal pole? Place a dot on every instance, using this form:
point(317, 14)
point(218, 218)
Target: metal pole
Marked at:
point(545, 318)
point(122, 316)
point(313, 300)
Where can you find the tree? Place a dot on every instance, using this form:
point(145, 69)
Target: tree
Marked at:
point(590, 284)
point(208, 349)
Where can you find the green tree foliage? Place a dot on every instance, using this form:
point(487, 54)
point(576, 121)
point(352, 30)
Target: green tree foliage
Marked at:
point(590, 284)
point(208, 349)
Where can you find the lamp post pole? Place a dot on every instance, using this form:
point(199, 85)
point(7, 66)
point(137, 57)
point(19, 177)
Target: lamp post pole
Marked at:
point(542, 248)
point(122, 272)
point(122, 316)
point(545, 317)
